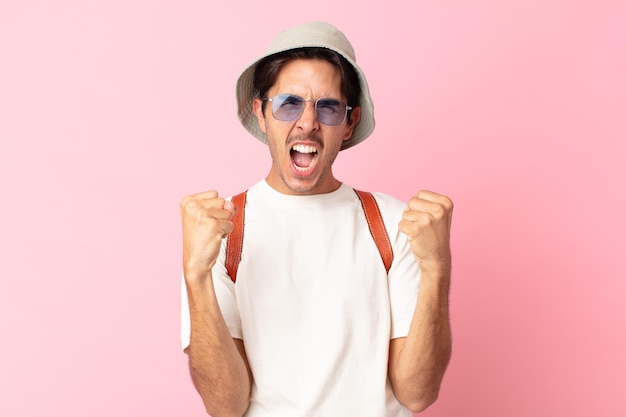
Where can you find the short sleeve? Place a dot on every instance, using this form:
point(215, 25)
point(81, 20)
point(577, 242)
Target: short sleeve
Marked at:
point(404, 277)
point(226, 298)
point(404, 274)
point(227, 295)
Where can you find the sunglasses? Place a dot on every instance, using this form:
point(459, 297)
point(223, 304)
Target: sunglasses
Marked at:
point(289, 107)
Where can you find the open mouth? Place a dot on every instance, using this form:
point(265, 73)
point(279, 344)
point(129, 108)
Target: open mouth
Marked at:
point(303, 157)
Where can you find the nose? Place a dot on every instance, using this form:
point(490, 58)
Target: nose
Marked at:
point(308, 119)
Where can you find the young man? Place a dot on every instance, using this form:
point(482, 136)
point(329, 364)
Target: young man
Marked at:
point(313, 323)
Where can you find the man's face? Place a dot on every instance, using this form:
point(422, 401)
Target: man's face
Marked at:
point(304, 150)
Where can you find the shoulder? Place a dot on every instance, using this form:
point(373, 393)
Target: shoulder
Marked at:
point(391, 209)
point(389, 203)
point(254, 189)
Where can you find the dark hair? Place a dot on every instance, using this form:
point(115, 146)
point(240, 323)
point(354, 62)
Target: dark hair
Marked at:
point(268, 68)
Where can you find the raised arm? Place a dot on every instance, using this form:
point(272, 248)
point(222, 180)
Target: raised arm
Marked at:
point(418, 362)
point(217, 362)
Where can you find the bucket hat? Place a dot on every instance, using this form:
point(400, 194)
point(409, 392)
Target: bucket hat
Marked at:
point(312, 34)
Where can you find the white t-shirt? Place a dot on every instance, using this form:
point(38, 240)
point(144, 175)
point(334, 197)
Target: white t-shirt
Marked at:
point(314, 305)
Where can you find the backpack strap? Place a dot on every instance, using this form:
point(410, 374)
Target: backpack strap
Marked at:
point(234, 244)
point(377, 226)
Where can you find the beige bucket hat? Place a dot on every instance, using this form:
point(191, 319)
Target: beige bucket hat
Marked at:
point(312, 34)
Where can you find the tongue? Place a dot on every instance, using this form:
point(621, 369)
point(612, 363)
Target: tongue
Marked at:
point(303, 160)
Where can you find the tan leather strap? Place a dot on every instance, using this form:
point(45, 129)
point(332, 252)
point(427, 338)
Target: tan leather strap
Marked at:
point(377, 227)
point(234, 245)
point(374, 219)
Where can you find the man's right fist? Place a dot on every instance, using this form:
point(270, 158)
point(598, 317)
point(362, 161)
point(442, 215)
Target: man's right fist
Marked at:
point(206, 219)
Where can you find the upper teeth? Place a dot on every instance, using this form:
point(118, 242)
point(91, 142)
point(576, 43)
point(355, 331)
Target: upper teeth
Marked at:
point(304, 148)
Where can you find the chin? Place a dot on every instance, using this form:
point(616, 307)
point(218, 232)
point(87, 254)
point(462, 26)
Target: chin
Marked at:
point(294, 185)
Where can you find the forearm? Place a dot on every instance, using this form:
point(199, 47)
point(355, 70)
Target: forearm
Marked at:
point(419, 363)
point(218, 368)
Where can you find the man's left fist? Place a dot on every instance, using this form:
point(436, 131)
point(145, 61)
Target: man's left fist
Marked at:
point(426, 222)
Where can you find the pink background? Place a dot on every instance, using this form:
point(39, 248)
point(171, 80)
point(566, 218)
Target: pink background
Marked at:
point(111, 111)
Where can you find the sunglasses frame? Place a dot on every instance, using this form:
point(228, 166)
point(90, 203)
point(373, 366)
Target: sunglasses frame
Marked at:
point(274, 99)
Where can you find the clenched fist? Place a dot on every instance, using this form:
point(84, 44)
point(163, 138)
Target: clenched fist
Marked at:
point(206, 219)
point(426, 222)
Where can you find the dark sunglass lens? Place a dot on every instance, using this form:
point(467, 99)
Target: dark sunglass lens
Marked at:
point(287, 107)
point(330, 111)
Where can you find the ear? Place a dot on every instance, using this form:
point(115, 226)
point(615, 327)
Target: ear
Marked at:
point(355, 116)
point(257, 108)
